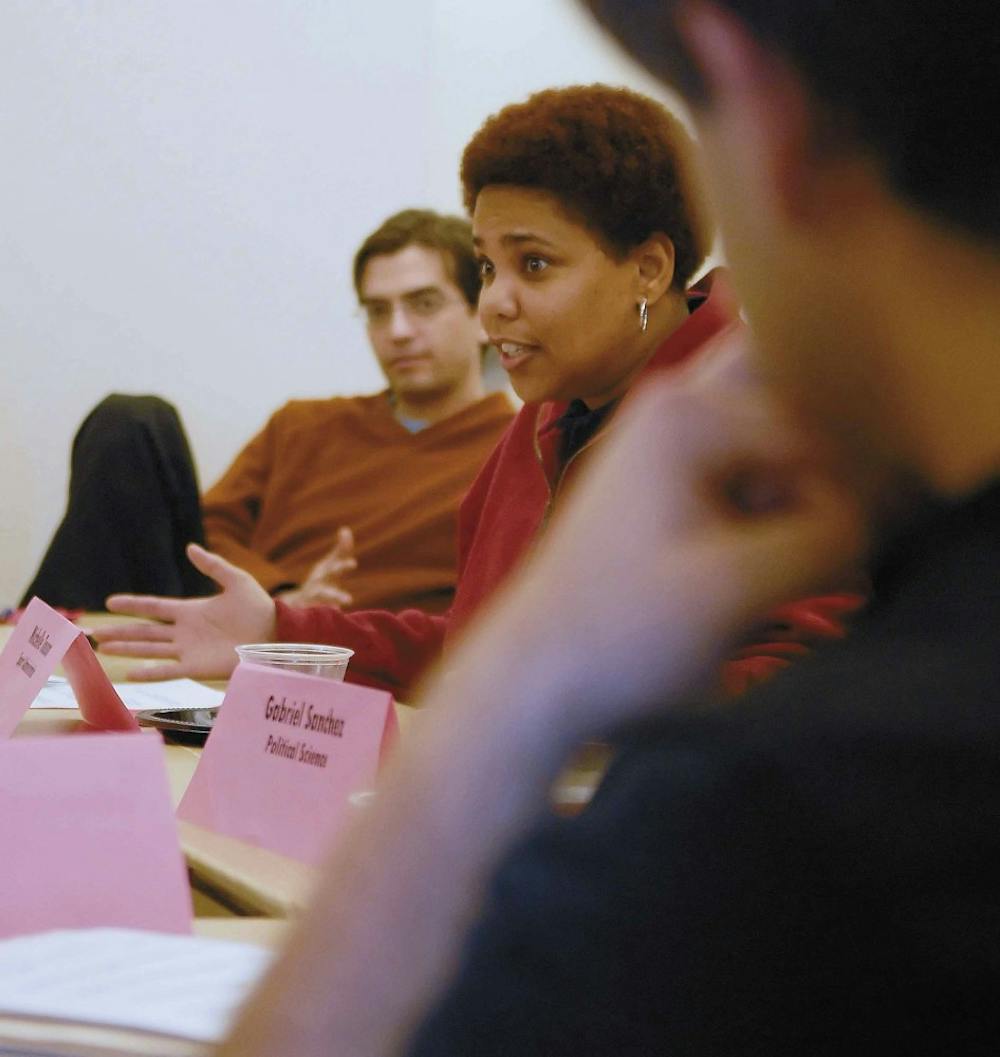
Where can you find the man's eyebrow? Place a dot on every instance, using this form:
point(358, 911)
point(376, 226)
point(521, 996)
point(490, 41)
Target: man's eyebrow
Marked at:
point(517, 238)
point(418, 292)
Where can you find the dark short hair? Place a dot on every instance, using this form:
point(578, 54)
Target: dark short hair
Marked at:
point(617, 159)
point(451, 236)
point(914, 85)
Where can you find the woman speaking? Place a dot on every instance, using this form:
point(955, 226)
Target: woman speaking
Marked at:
point(588, 230)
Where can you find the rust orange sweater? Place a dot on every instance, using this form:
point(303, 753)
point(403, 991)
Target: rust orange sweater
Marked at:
point(320, 464)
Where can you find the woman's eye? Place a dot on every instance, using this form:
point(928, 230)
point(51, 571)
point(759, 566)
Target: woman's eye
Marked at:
point(534, 265)
point(485, 268)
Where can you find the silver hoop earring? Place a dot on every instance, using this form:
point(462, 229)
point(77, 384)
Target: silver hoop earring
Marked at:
point(643, 315)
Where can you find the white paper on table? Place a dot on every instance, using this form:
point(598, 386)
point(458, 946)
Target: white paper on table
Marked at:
point(184, 986)
point(169, 694)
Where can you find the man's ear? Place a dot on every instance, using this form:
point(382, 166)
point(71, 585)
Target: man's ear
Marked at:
point(759, 102)
point(654, 260)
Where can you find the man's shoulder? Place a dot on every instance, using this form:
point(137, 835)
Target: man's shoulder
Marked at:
point(322, 412)
point(488, 415)
point(327, 406)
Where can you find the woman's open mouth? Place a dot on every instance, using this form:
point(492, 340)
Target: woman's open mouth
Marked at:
point(513, 354)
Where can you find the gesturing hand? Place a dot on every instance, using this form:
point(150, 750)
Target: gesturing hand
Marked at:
point(321, 587)
point(196, 635)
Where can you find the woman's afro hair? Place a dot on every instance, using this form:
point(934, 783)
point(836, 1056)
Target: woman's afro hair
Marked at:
point(617, 159)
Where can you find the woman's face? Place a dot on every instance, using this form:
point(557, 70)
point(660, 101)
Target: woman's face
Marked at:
point(561, 310)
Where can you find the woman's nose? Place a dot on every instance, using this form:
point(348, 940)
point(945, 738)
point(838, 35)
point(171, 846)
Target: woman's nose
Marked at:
point(497, 301)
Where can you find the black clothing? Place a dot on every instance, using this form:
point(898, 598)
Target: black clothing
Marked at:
point(814, 869)
point(133, 507)
point(578, 424)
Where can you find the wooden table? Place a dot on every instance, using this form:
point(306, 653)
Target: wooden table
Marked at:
point(229, 876)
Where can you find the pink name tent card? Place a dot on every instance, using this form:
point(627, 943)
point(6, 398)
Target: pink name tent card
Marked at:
point(41, 639)
point(88, 836)
point(285, 753)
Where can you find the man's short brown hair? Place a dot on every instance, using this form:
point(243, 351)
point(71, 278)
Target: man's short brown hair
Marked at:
point(451, 236)
point(617, 159)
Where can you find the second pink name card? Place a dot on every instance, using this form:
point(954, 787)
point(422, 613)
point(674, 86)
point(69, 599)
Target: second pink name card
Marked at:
point(42, 639)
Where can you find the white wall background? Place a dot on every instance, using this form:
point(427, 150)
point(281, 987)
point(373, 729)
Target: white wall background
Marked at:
point(183, 185)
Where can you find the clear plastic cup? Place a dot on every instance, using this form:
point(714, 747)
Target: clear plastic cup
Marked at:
point(330, 662)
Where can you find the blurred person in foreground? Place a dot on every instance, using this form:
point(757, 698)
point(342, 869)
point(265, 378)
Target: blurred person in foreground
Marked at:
point(346, 501)
point(589, 230)
point(814, 869)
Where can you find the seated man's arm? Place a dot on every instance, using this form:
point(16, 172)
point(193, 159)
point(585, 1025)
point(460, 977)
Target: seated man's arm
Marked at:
point(230, 508)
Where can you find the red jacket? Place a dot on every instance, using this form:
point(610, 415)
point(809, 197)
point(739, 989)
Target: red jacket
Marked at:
point(501, 516)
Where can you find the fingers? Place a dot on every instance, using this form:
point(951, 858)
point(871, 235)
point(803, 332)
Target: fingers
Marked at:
point(796, 551)
point(733, 454)
point(330, 596)
point(345, 541)
point(723, 363)
point(224, 573)
point(708, 456)
point(318, 594)
point(341, 558)
point(332, 566)
point(134, 633)
point(144, 606)
point(151, 673)
point(718, 429)
point(123, 648)
point(325, 572)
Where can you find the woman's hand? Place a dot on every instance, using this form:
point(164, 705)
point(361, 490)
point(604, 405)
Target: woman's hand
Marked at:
point(197, 636)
